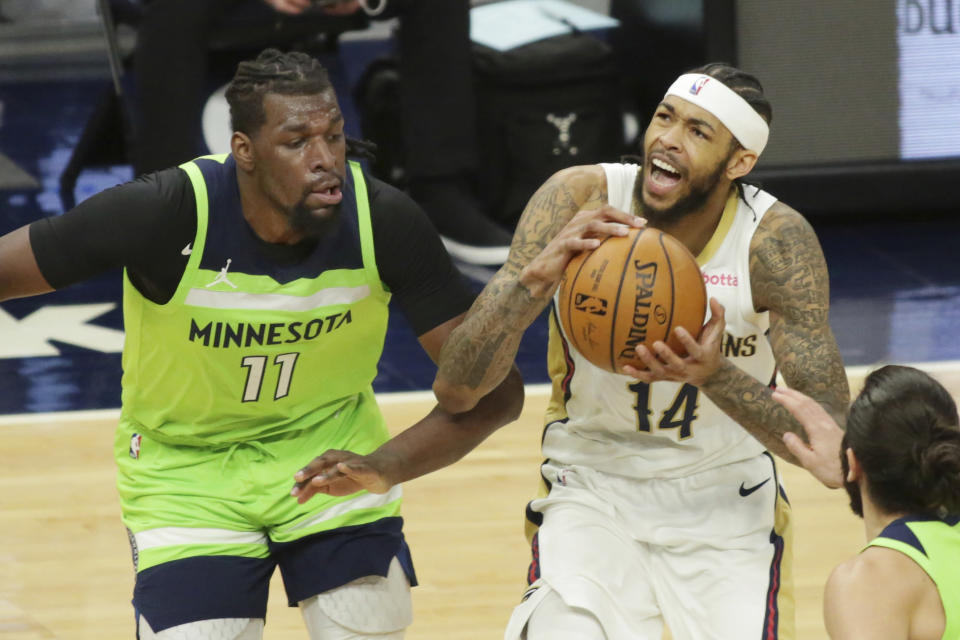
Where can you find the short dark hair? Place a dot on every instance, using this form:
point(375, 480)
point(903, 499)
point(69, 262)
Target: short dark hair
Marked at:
point(746, 85)
point(904, 430)
point(291, 74)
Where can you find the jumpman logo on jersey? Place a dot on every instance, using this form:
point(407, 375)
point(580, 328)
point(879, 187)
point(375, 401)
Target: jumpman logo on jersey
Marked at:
point(222, 276)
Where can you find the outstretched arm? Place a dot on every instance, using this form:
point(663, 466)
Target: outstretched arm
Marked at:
point(437, 440)
point(434, 442)
point(19, 274)
point(566, 215)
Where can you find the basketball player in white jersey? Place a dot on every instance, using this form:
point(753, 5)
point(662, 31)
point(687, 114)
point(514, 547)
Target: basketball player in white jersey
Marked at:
point(661, 502)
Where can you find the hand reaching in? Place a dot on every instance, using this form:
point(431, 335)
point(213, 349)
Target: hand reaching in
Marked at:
point(821, 457)
point(340, 473)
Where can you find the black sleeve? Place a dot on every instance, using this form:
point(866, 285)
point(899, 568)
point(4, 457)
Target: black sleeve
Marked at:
point(142, 225)
point(413, 262)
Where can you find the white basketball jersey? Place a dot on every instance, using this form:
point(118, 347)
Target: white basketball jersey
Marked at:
point(616, 424)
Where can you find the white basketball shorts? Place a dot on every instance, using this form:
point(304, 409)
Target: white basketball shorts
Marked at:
point(708, 554)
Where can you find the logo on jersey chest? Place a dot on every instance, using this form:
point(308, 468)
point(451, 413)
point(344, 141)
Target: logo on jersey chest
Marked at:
point(242, 334)
point(721, 279)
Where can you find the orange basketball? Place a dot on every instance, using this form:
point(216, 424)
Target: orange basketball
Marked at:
point(631, 290)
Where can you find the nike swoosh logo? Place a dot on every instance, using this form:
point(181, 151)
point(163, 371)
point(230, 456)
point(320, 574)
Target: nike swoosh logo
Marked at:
point(745, 492)
point(187, 250)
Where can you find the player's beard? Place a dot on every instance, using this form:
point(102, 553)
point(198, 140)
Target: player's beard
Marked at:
point(309, 223)
point(700, 192)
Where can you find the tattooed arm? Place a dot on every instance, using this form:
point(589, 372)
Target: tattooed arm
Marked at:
point(789, 279)
point(566, 215)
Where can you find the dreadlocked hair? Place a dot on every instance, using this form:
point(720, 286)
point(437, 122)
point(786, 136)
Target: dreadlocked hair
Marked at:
point(290, 74)
point(747, 86)
point(363, 149)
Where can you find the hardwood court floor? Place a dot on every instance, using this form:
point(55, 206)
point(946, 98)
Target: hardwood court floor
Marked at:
point(65, 570)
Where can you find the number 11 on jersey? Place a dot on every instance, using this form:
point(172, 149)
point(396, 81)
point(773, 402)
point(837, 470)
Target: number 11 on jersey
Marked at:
point(256, 366)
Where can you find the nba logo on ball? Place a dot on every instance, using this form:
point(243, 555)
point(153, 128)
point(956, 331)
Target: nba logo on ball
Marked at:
point(591, 304)
point(135, 446)
point(698, 85)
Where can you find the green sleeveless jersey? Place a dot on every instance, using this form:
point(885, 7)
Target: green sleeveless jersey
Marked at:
point(934, 544)
point(247, 348)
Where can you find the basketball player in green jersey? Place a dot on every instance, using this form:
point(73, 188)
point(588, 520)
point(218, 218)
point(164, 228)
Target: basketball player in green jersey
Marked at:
point(900, 456)
point(256, 290)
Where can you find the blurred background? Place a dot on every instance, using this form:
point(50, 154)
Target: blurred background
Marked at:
point(865, 142)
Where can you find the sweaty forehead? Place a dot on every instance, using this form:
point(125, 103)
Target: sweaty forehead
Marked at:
point(299, 110)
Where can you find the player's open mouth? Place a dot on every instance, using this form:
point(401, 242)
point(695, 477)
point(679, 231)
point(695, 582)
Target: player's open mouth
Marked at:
point(328, 195)
point(663, 176)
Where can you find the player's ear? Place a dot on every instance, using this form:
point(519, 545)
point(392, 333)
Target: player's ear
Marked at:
point(854, 470)
point(242, 147)
point(741, 163)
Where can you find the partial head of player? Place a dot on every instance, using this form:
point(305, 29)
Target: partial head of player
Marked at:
point(707, 132)
point(289, 145)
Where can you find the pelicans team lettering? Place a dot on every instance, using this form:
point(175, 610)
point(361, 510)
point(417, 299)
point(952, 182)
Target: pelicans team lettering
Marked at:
point(739, 346)
point(241, 334)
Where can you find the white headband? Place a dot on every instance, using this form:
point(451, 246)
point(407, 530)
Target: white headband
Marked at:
point(736, 114)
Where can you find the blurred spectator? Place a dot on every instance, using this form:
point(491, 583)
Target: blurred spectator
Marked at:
point(438, 107)
point(668, 31)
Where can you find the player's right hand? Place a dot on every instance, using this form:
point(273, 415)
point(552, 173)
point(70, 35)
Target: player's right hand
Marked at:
point(584, 232)
point(821, 457)
point(340, 473)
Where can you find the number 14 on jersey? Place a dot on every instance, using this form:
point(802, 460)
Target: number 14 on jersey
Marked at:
point(679, 415)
